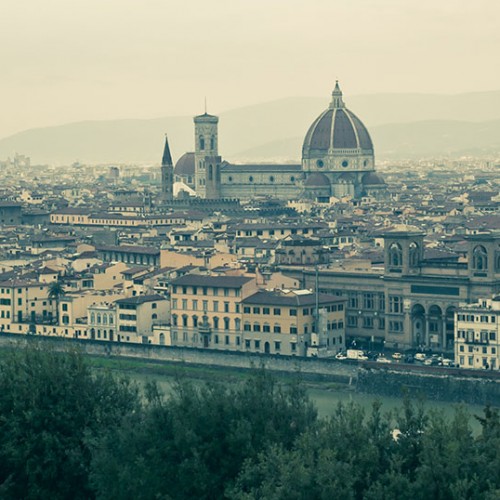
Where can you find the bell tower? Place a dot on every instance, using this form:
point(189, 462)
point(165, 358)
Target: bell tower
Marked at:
point(207, 159)
point(167, 174)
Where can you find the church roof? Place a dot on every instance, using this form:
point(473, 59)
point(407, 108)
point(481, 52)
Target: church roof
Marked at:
point(337, 128)
point(185, 165)
point(371, 179)
point(317, 180)
point(260, 167)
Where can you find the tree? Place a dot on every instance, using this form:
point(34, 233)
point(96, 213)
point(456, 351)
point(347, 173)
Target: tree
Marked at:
point(56, 291)
point(53, 409)
point(193, 443)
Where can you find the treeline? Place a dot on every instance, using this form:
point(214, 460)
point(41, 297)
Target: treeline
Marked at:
point(70, 432)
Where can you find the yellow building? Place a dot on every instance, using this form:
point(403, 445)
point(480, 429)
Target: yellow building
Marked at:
point(206, 310)
point(293, 322)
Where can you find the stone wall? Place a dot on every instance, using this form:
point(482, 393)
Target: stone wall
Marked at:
point(437, 384)
point(439, 387)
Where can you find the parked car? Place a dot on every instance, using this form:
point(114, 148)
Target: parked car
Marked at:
point(447, 362)
point(383, 359)
point(420, 356)
point(340, 356)
point(397, 356)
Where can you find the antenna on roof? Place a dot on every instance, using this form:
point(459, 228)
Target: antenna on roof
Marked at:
point(205, 104)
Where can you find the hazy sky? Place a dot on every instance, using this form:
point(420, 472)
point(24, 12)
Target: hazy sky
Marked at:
point(71, 60)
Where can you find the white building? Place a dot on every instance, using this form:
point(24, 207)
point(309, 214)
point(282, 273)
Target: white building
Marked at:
point(477, 335)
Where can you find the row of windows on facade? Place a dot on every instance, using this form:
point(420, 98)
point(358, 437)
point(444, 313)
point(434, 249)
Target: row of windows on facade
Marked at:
point(395, 302)
point(472, 336)
point(483, 350)
point(471, 318)
point(479, 257)
point(8, 302)
point(271, 232)
point(396, 255)
point(204, 290)
point(469, 361)
point(368, 322)
point(202, 142)
point(19, 290)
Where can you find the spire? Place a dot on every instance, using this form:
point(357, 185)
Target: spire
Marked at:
point(337, 101)
point(167, 157)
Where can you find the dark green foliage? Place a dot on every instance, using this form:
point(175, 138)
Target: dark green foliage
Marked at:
point(67, 432)
point(51, 407)
point(193, 444)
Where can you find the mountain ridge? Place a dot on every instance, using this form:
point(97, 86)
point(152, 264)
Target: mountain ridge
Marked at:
point(394, 121)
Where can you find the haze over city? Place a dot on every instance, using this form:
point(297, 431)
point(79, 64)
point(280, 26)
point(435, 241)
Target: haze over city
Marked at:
point(85, 60)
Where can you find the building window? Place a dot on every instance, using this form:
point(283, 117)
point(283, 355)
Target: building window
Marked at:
point(352, 321)
point(395, 304)
point(266, 328)
point(226, 307)
point(257, 344)
point(247, 327)
point(202, 143)
point(480, 258)
point(277, 346)
point(277, 311)
point(293, 312)
point(368, 301)
point(367, 322)
point(395, 255)
point(250, 179)
point(256, 327)
point(226, 323)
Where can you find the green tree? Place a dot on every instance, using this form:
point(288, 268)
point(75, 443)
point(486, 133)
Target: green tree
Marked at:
point(55, 292)
point(193, 443)
point(53, 409)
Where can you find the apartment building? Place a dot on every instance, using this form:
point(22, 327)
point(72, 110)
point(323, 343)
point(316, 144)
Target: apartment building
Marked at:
point(293, 322)
point(477, 334)
point(137, 315)
point(206, 310)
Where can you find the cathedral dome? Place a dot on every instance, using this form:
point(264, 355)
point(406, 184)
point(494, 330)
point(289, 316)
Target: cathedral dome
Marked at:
point(336, 130)
point(185, 165)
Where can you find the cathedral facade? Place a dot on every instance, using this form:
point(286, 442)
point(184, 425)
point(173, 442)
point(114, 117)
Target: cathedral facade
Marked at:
point(337, 160)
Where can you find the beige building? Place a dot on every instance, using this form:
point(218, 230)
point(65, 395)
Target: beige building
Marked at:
point(293, 322)
point(24, 302)
point(206, 310)
point(136, 317)
point(477, 334)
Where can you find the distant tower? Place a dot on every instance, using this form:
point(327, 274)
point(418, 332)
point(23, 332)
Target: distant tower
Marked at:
point(207, 159)
point(167, 174)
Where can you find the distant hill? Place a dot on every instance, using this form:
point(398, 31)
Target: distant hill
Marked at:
point(402, 140)
point(402, 125)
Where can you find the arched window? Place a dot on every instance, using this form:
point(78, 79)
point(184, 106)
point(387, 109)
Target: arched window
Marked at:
point(92, 317)
point(395, 255)
point(212, 142)
point(111, 319)
point(226, 323)
point(98, 319)
point(154, 316)
point(202, 143)
point(184, 320)
point(216, 322)
point(480, 258)
point(104, 319)
point(210, 172)
point(237, 323)
point(195, 321)
point(413, 255)
point(175, 319)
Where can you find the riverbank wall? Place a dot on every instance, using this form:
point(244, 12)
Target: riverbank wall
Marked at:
point(440, 384)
